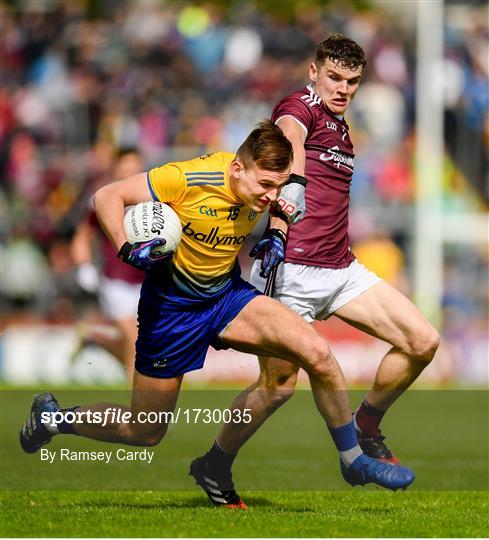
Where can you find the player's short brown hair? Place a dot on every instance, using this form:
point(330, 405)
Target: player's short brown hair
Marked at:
point(268, 147)
point(342, 50)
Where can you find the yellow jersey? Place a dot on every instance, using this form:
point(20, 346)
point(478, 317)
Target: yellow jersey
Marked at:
point(215, 223)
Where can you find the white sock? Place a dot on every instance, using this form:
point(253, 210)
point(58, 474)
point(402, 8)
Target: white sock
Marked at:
point(52, 426)
point(349, 456)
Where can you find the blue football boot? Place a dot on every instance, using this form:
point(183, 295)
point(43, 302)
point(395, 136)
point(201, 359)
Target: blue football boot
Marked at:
point(366, 470)
point(34, 433)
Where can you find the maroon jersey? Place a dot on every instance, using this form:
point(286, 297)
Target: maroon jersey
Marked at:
point(112, 267)
point(321, 238)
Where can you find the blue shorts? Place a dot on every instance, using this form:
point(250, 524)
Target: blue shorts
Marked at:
point(174, 335)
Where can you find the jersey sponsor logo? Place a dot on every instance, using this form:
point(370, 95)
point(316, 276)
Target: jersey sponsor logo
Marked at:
point(213, 237)
point(339, 158)
point(331, 125)
point(206, 211)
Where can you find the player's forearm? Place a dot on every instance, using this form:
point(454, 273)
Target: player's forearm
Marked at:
point(297, 136)
point(109, 207)
point(299, 163)
point(278, 222)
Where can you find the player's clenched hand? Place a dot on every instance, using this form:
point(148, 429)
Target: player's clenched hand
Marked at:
point(272, 250)
point(292, 198)
point(141, 256)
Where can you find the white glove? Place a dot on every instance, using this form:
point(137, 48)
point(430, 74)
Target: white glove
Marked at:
point(88, 278)
point(292, 199)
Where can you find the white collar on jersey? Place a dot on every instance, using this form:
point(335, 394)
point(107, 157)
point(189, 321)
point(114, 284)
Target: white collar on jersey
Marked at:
point(318, 100)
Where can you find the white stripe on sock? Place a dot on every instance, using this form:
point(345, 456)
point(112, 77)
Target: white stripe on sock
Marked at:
point(51, 426)
point(351, 455)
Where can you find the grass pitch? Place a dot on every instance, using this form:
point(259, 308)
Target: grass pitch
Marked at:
point(288, 474)
point(272, 514)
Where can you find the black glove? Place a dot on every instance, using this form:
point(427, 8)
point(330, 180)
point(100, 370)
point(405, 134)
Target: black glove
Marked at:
point(272, 249)
point(141, 256)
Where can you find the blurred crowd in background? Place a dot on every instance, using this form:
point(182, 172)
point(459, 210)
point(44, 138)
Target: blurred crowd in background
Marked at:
point(83, 80)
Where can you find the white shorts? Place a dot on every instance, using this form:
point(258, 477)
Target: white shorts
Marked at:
point(119, 299)
point(313, 292)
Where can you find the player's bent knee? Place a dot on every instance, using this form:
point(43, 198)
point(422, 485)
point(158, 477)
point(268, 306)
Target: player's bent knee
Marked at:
point(277, 388)
point(320, 361)
point(148, 438)
point(282, 388)
point(285, 383)
point(424, 344)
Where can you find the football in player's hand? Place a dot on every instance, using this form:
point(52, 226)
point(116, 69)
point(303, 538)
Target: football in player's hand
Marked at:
point(151, 220)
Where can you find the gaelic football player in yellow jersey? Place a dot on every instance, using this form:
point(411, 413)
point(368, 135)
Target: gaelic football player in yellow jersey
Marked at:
point(199, 299)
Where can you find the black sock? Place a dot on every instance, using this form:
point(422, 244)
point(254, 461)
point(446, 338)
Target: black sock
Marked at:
point(217, 458)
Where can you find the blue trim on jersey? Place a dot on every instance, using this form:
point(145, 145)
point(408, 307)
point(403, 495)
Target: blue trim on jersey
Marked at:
point(202, 178)
point(153, 194)
point(215, 180)
point(207, 183)
point(198, 291)
point(204, 173)
point(208, 178)
point(174, 339)
point(180, 293)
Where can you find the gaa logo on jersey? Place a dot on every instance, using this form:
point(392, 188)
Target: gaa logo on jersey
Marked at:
point(252, 215)
point(206, 211)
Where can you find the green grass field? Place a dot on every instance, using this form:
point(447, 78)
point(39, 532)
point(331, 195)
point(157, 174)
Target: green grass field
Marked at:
point(288, 474)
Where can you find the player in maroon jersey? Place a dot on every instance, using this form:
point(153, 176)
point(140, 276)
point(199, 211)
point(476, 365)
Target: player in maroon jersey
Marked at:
point(320, 275)
point(118, 285)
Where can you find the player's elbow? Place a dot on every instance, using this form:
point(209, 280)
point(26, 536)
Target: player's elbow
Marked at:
point(101, 195)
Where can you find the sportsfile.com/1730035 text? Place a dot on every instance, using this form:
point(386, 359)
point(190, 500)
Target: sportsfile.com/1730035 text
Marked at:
point(116, 415)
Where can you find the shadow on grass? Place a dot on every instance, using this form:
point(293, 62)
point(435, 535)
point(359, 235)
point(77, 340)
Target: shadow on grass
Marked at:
point(197, 502)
